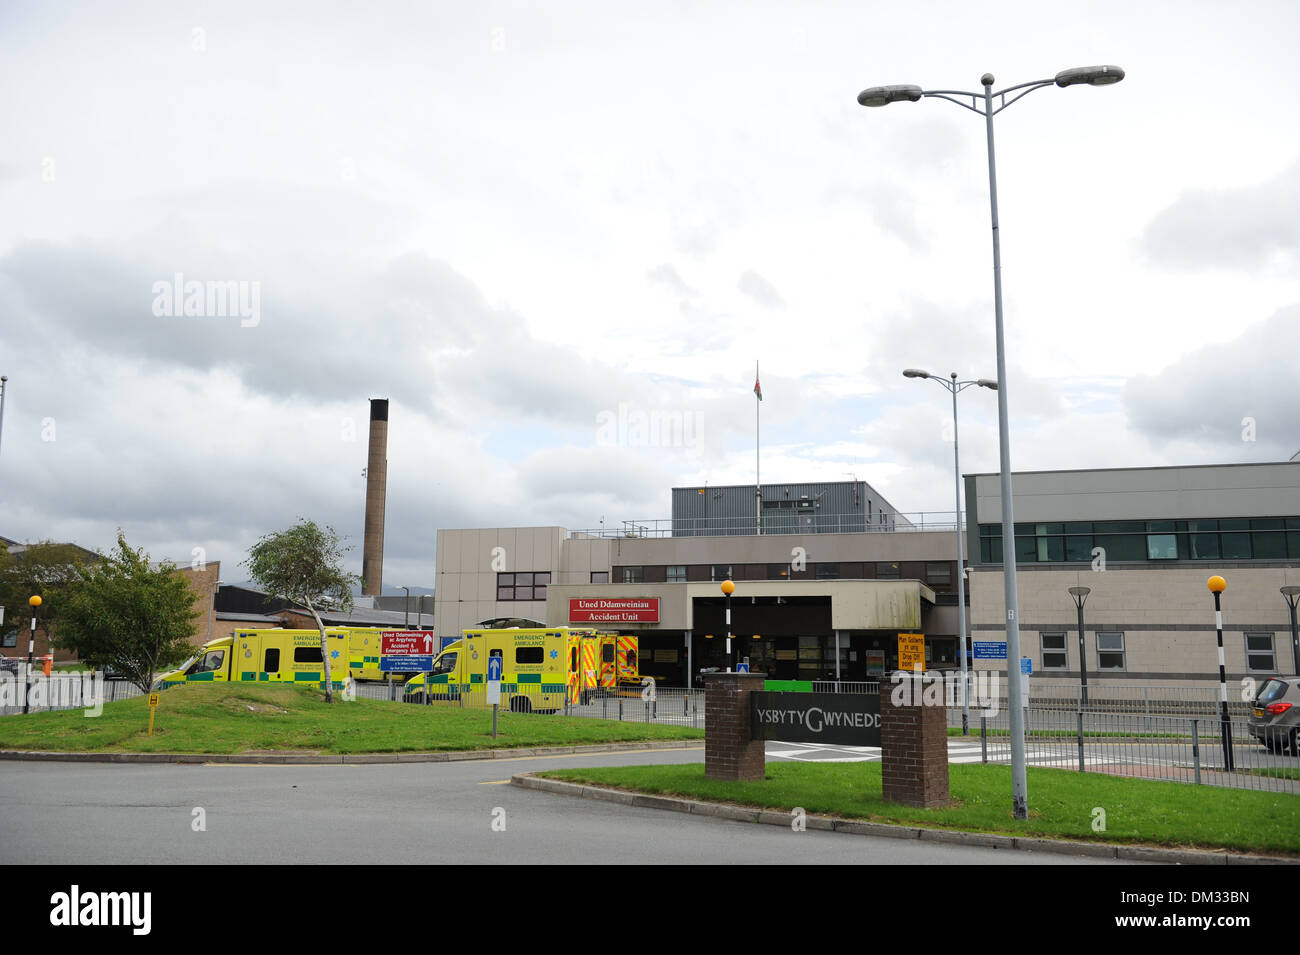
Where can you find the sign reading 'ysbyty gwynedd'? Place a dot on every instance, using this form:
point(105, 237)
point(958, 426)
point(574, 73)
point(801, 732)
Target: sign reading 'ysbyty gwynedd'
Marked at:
point(851, 719)
point(614, 610)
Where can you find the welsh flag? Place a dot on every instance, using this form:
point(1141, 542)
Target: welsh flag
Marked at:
point(758, 391)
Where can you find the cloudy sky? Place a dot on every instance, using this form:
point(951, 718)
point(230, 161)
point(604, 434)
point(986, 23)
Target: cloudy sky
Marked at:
point(531, 226)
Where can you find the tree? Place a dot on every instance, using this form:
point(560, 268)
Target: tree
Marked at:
point(45, 569)
point(125, 613)
point(305, 565)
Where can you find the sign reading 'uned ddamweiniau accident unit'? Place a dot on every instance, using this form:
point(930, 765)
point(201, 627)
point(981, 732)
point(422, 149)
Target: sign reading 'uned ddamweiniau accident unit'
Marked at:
point(851, 719)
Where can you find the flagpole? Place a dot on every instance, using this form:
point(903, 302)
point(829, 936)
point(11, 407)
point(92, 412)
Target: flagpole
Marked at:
point(758, 492)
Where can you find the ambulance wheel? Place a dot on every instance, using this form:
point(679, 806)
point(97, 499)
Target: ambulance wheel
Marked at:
point(520, 704)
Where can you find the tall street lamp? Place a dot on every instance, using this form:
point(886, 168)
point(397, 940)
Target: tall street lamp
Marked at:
point(1080, 594)
point(882, 96)
point(1217, 586)
point(34, 602)
point(956, 387)
point(1292, 593)
point(406, 609)
point(728, 588)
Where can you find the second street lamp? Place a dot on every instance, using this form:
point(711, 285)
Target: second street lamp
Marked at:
point(1080, 594)
point(882, 96)
point(1292, 593)
point(728, 588)
point(956, 387)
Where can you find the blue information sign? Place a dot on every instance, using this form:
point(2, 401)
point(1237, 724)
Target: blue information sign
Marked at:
point(495, 664)
point(421, 663)
point(990, 650)
point(1026, 665)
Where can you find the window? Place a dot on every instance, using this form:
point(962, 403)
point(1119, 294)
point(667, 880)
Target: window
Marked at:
point(600, 576)
point(271, 660)
point(938, 573)
point(828, 571)
point(1054, 655)
point(445, 663)
point(10, 639)
point(607, 653)
point(721, 572)
point(1110, 651)
point(778, 571)
point(306, 655)
point(528, 655)
point(676, 574)
point(1259, 652)
point(1269, 540)
point(1235, 546)
point(213, 659)
point(1162, 546)
point(531, 586)
point(633, 575)
point(887, 570)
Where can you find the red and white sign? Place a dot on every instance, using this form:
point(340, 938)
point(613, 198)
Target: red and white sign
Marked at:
point(614, 610)
point(399, 643)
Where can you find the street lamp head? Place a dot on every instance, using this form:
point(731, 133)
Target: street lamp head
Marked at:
point(34, 601)
point(1091, 75)
point(1291, 590)
point(915, 373)
point(988, 383)
point(1080, 591)
point(987, 79)
point(1217, 584)
point(728, 588)
point(884, 95)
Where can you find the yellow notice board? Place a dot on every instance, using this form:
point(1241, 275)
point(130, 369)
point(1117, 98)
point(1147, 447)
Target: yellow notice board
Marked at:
point(911, 651)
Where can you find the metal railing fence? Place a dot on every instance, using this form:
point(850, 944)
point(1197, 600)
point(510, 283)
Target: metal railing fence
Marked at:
point(1170, 748)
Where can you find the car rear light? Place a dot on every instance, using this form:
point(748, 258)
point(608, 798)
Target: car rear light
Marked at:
point(1276, 708)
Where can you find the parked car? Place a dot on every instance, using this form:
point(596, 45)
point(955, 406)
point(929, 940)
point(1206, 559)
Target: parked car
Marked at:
point(1275, 716)
point(9, 665)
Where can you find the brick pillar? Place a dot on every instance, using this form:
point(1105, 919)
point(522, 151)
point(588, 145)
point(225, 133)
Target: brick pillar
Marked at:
point(729, 753)
point(914, 743)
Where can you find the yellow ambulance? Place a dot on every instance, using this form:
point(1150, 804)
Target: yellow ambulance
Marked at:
point(265, 656)
point(541, 668)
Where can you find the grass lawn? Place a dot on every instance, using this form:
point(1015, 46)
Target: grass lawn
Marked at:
point(239, 718)
point(1061, 803)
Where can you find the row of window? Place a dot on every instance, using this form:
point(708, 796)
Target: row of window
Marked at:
point(1260, 655)
point(532, 585)
point(938, 572)
point(1241, 538)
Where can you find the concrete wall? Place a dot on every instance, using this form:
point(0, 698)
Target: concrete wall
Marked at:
point(468, 564)
point(1165, 613)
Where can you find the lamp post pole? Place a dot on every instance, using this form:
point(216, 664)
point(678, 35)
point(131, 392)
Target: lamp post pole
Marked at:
point(34, 602)
point(728, 588)
point(882, 96)
point(956, 387)
point(406, 610)
point(1292, 593)
point(1217, 586)
point(1080, 594)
